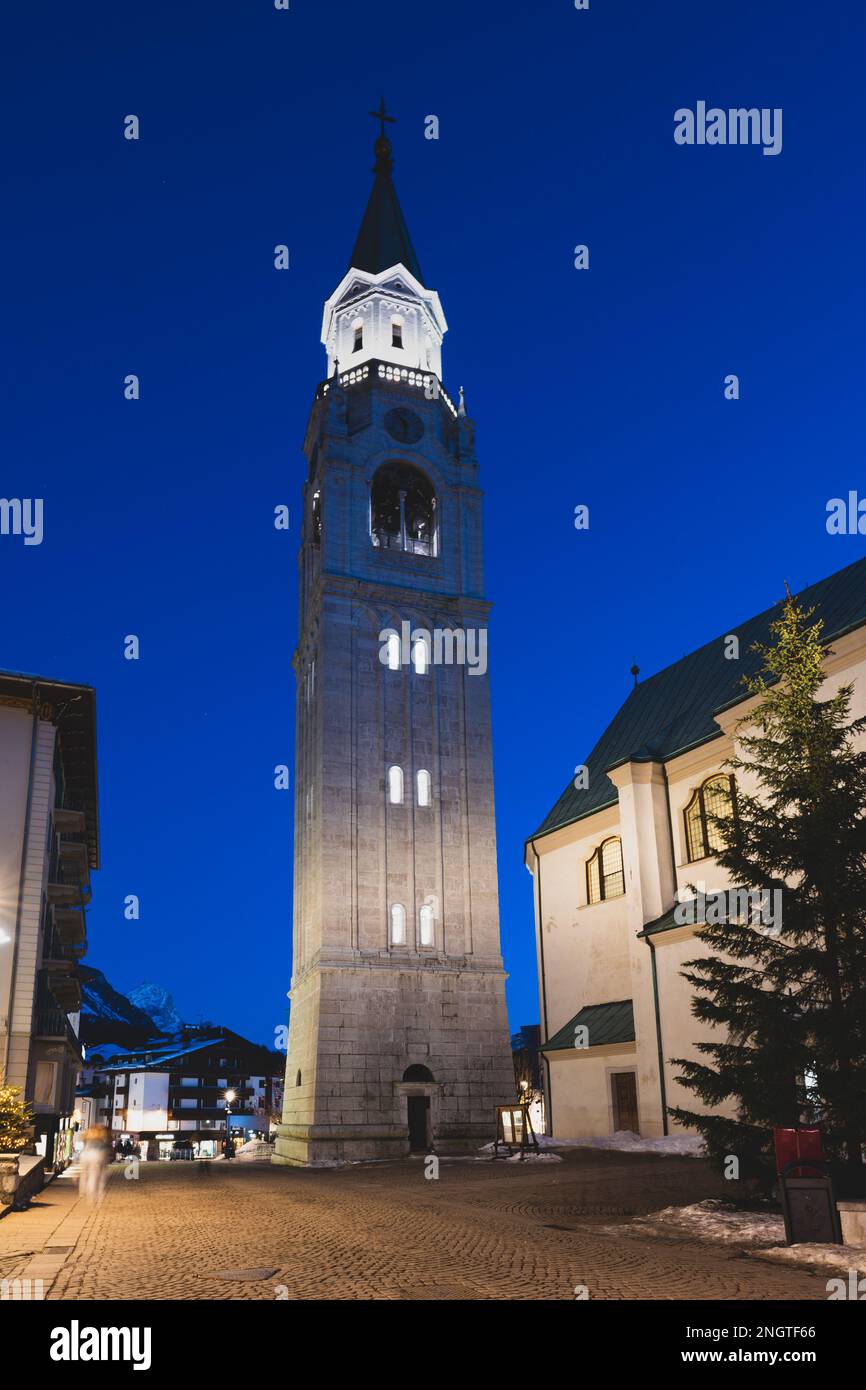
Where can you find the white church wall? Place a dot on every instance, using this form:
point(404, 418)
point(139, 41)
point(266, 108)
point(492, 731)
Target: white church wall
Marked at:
point(586, 959)
point(581, 1098)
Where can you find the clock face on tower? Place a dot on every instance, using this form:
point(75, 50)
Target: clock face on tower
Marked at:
point(404, 425)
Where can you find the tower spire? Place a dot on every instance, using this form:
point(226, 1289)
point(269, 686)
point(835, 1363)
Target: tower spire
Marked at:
point(384, 239)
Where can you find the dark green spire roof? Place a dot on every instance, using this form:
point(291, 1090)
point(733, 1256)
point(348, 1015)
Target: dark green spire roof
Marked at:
point(384, 238)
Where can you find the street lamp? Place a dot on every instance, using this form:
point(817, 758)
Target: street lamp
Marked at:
point(230, 1095)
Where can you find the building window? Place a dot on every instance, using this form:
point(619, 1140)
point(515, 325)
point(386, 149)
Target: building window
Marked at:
point(426, 924)
point(422, 778)
point(43, 1088)
point(393, 652)
point(398, 924)
point(358, 327)
point(421, 655)
point(395, 786)
point(397, 332)
point(604, 872)
point(403, 510)
point(298, 1078)
point(713, 798)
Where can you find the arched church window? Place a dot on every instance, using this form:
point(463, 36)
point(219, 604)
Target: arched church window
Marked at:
point(403, 510)
point(425, 918)
point(604, 872)
point(396, 331)
point(316, 516)
point(398, 924)
point(358, 329)
point(712, 798)
point(424, 786)
point(395, 786)
point(421, 655)
point(392, 650)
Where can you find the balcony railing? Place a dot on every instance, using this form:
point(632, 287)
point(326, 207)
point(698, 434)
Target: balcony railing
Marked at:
point(412, 377)
point(53, 1023)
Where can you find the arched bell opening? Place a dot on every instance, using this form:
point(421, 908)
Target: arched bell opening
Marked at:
point(403, 510)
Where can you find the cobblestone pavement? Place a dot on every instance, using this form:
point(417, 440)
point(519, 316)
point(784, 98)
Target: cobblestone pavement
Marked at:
point(383, 1231)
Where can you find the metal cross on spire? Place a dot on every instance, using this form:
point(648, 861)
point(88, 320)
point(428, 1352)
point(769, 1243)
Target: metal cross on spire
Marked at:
point(382, 118)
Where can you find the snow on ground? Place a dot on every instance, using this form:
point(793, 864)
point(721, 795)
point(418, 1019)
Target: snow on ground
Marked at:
point(529, 1155)
point(712, 1220)
point(625, 1141)
point(762, 1231)
point(838, 1258)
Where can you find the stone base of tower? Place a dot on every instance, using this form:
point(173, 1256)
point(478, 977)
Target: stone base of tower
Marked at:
point(388, 1060)
point(319, 1146)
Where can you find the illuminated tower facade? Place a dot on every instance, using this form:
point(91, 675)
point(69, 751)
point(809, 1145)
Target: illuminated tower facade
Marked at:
point(398, 1037)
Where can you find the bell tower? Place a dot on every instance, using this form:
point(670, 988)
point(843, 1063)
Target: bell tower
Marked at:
point(398, 1035)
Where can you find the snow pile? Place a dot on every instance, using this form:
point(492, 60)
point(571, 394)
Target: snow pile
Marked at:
point(839, 1258)
point(625, 1141)
point(712, 1220)
point(254, 1149)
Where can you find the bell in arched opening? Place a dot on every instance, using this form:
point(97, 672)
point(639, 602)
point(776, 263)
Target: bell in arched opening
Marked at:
point(403, 510)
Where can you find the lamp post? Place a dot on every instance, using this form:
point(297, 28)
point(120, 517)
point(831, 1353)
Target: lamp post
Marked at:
point(230, 1095)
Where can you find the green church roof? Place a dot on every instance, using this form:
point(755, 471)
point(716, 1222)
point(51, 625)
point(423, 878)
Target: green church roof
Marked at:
point(606, 1024)
point(384, 238)
point(674, 710)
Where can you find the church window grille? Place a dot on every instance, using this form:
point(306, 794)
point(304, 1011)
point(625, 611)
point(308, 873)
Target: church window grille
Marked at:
point(604, 872)
point(426, 924)
point(398, 924)
point(712, 798)
point(424, 785)
point(395, 786)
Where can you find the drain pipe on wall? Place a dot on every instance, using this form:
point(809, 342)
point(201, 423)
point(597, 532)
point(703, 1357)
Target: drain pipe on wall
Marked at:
point(655, 977)
point(548, 1095)
point(662, 1092)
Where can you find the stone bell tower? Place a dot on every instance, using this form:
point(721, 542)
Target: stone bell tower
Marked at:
point(398, 1036)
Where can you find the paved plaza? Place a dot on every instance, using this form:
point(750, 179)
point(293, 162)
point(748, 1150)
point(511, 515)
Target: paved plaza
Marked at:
point(383, 1231)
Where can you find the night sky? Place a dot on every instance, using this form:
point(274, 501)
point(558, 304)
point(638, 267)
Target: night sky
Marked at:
point(602, 387)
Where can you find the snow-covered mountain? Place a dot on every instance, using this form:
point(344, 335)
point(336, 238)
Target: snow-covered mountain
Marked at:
point(158, 1004)
point(107, 1015)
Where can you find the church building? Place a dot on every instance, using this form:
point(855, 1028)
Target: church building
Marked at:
point(398, 1033)
point(614, 859)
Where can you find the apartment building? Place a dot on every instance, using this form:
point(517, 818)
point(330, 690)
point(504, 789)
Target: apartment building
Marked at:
point(49, 846)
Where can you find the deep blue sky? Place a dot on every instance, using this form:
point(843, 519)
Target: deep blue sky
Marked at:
point(603, 387)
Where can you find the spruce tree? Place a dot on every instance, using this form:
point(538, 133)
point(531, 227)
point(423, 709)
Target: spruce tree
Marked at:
point(789, 1001)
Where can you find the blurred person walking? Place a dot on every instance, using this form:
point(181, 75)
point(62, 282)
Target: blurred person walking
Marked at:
point(94, 1163)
